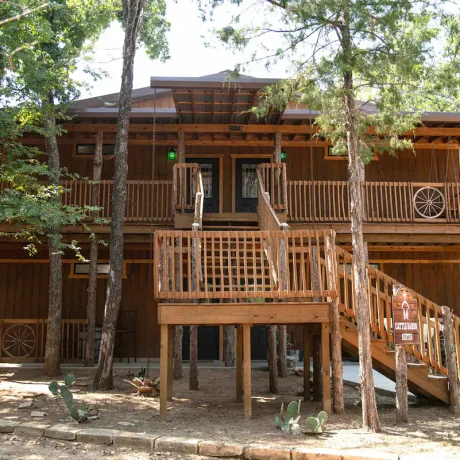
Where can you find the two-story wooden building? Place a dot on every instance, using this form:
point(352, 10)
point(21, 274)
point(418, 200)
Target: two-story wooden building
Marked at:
point(197, 156)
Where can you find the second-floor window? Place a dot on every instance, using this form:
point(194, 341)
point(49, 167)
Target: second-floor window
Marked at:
point(88, 150)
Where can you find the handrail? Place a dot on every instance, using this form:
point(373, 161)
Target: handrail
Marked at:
point(380, 286)
point(268, 220)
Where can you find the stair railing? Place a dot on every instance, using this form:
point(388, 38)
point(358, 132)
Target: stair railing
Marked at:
point(199, 201)
point(275, 183)
point(380, 289)
point(184, 186)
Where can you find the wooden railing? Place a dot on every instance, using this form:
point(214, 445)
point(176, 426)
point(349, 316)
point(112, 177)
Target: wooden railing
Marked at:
point(380, 289)
point(392, 202)
point(268, 220)
point(146, 201)
point(242, 264)
point(273, 176)
point(184, 185)
point(199, 202)
point(23, 340)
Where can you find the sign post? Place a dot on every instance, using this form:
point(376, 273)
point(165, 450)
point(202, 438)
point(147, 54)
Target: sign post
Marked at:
point(405, 332)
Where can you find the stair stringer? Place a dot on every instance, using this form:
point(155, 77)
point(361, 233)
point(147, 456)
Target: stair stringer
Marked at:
point(384, 362)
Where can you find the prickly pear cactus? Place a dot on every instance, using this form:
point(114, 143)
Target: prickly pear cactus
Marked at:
point(64, 391)
point(315, 425)
point(289, 422)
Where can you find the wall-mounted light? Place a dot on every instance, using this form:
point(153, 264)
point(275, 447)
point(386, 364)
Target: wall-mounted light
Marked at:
point(172, 154)
point(283, 154)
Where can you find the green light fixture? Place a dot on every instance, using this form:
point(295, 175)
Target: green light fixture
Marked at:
point(283, 154)
point(172, 154)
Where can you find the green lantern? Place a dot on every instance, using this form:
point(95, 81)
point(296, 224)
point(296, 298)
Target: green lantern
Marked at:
point(172, 154)
point(283, 154)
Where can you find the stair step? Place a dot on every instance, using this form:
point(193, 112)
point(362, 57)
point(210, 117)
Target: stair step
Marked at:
point(420, 365)
point(437, 377)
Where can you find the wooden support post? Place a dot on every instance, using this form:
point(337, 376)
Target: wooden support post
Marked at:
point(451, 361)
point(282, 329)
point(239, 364)
point(306, 363)
point(170, 361)
point(164, 340)
point(247, 370)
point(181, 147)
point(317, 375)
point(336, 337)
point(178, 337)
point(229, 346)
point(193, 376)
point(221, 343)
point(272, 360)
point(402, 403)
point(326, 362)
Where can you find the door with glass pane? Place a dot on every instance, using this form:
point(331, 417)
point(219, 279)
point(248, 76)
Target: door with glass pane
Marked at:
point(210, 175)
point(246, 183)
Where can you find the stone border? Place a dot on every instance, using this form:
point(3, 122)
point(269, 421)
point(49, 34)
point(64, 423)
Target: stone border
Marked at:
point(151, 443)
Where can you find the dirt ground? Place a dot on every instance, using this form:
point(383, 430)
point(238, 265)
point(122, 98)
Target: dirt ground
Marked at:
point(25, 448)
point(212, 413)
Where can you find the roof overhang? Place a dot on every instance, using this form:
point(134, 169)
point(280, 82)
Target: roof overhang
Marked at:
point(211, 82)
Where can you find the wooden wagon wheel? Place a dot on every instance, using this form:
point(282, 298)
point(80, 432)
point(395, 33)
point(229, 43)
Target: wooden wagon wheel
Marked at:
point(18, 340)
point(429, 202)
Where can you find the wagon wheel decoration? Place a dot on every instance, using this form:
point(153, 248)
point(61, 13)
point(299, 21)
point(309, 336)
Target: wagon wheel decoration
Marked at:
point(429, 202)
point(18, 340)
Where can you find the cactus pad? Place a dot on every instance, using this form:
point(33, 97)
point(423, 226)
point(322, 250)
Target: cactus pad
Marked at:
point(322, 417)
point(313, 425)
point(54, 387)
point(67, 396)
point(293, 409)
point(69, 379)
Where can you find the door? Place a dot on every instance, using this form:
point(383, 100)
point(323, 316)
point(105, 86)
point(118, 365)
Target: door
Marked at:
point(210, 174)
point(208, 343)
point(246, 184)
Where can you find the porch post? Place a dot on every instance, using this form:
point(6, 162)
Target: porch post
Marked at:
point(326, 362)
point(239, 363)
point(164, 348)
point(181, 147)
point(306, 362)
point(247, 370)
point(277, 152)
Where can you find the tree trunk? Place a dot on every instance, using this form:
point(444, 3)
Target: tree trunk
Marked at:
point(317, 374)
point(355, 166)
point(229, 346)
point(402, 404)
point(52, 366)
point(133, 14)
point(178, 335)
point(92, 275)
point(283, 351)
point(272, 360)
point(451, 362)
point(193, 377)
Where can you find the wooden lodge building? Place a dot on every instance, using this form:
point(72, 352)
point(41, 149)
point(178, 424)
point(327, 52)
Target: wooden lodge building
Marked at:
point(223, 208)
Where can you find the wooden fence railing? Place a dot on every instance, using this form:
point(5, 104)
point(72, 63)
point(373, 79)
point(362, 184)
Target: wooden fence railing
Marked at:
point(184, 185)
point(273, 177)
point(199, 202)
point(403, 202)
point(380, 289)
point(242, 264)
point(146, 201)
point(23, 340)
point(268, 220)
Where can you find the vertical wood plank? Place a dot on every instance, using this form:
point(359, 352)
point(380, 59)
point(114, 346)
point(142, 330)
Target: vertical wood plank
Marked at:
point(326, 365)
point(247, 370)
point(164, 340)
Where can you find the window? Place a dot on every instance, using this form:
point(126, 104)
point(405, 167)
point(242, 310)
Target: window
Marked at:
point(249, 181)
point(81, 270)
point(88, 150)
point(328, 155)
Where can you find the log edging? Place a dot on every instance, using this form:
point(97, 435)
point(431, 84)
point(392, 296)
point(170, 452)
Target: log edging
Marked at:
point(154, 443)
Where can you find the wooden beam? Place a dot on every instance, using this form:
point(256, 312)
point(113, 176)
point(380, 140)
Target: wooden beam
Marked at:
point(170, 361)
point(239, 313)
point(247, 371)
point(306, 363)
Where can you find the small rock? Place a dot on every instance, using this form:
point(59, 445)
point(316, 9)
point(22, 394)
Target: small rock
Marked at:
point(38, 413)
point(126, 424)
point(25, 405)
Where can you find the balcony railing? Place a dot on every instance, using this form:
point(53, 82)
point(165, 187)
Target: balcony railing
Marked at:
point(146, 201)
point(390, 202)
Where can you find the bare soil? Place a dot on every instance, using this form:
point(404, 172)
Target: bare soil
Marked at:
point(212, 413)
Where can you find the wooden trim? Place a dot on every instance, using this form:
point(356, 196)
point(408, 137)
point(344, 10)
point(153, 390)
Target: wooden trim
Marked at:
point(243, 313)
point(70, 261)
point(235, 156)
point(89, 142)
